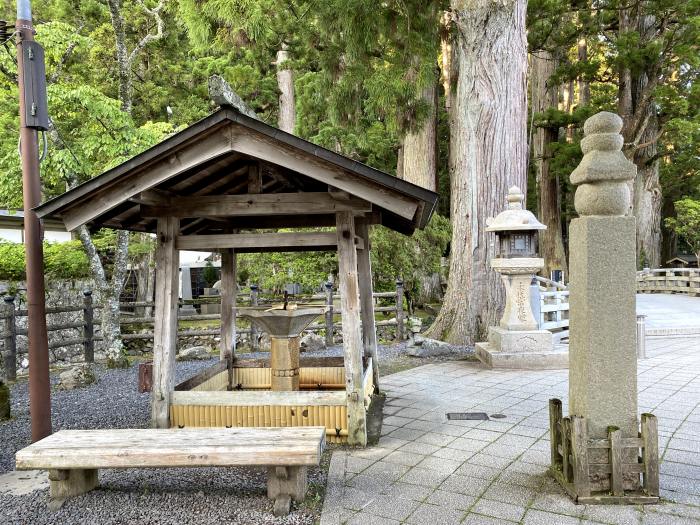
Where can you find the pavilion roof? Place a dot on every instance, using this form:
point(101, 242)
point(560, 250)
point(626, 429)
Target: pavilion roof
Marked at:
point(225, 156)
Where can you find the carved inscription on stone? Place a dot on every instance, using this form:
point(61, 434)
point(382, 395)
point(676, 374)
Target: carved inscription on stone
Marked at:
point(521, 297)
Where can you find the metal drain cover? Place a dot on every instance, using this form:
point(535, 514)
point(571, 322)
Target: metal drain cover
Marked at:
point(462, 416)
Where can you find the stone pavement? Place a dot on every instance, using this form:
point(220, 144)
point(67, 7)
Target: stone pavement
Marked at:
point(427, 470)
point(670, 314)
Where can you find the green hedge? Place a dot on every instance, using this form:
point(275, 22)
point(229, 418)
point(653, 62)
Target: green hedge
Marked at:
point(63, 260)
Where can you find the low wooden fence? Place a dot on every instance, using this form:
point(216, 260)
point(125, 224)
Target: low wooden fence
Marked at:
point(612, 470)
point(9, 315)
point(82, 331)
point(669, 280)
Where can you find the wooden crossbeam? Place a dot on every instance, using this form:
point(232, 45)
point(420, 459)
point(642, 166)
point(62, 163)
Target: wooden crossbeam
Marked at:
point(260, 204)
point(262, 242)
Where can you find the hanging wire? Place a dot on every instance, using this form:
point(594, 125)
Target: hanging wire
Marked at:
point(44, 147)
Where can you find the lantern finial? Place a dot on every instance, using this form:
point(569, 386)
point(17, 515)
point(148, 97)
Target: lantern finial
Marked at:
point(515, 198)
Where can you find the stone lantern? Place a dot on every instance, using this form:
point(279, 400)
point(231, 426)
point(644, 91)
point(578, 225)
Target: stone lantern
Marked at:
point(516, 342)
point(517, 262)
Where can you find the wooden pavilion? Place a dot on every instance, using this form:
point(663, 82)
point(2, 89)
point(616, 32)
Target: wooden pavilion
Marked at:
point(209, 187)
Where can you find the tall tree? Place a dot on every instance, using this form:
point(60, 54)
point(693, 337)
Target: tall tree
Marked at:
point(490, 155)
point(285, 83)
point(655, 50)
point(111, 288)
point(419, 147)
point(545, 100)
point(640, 129)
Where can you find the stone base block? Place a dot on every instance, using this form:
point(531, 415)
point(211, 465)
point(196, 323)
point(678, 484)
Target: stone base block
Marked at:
point(522, 341)
point(529, 349)
point(211, 308)
point(187, 309)
point(557, 358)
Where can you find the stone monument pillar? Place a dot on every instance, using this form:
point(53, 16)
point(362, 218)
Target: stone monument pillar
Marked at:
point(186, 290)
point(517, 342)
point(602, 350)
point(602, 262)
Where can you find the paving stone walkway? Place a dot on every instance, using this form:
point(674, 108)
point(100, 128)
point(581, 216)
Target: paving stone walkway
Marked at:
point(430, 471)
point(670, 314)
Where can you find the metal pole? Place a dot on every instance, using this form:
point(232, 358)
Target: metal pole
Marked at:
point(39, 386)
point(641, 336)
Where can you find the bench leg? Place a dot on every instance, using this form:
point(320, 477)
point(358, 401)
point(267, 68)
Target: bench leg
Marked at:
point(285, 484)
point(68, 483)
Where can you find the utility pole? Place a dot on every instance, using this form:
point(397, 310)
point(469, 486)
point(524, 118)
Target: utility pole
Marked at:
point(33, 116)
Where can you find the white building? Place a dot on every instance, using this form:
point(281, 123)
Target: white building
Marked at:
point(12, 228)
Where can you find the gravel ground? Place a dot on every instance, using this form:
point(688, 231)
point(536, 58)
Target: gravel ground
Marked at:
point(163, 496)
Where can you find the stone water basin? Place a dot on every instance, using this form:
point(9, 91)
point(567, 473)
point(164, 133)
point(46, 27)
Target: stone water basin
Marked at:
point(284, 327)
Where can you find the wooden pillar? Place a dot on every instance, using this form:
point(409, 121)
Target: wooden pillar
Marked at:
point(10, 356)
point(253, 329)
point(364, 272)
point(165, 324)
point(228, 302)
point(400, 328)
point(88, 327)
point(352, 335)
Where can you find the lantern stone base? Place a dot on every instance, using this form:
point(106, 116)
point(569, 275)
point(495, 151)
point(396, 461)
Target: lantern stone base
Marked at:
point(528, 349)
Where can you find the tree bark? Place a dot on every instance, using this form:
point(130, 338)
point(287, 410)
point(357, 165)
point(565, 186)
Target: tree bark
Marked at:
point(544, 97)
point(123, 71)
point(490, 149)
point(419, 149)
point(449, 73)
point(110, 289)
point(285, 82)
point(111, 330)
point(584, 87)
point(145, 277)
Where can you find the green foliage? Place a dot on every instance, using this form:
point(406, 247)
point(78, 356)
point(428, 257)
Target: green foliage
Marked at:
point(393, 255)
point(411, 258)
point(209, 274)
point(271, 271)
point(65, 260)
point(654, 42)
point(686, 224)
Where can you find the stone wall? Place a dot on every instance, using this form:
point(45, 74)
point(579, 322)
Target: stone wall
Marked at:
point(58, 293)
point(70, 293)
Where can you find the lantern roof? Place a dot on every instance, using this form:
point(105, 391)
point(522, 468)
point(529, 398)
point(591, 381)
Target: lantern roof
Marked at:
point(514, 217)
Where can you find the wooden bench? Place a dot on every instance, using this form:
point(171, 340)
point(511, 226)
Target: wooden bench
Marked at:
point(73, 457)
